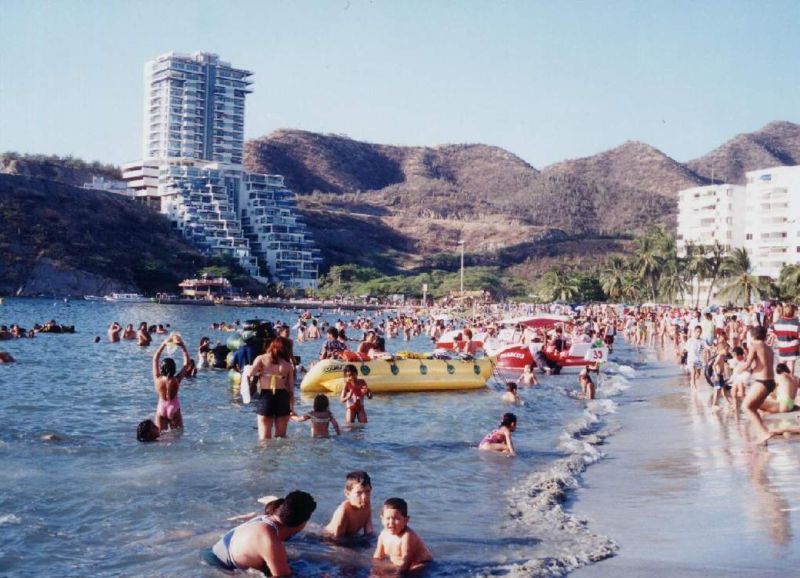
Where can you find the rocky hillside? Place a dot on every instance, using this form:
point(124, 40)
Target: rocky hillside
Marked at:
point(633, 165)
point(427, 198)
point(777, 144)
point(68, 170)
point(55, 238)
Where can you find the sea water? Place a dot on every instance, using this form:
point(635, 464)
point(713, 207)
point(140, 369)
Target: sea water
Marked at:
point(94, 501)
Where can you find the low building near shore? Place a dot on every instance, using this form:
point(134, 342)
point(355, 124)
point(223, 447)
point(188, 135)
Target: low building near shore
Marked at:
point(205, 288)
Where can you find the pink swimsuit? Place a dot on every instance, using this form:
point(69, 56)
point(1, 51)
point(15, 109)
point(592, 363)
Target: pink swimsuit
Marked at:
point(494, 437)
point(168, 408)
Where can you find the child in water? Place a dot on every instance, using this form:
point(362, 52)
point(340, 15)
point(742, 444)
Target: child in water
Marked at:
point(499, 440)
point(528, 377)
point(398, 543)
point(510, 396)
point(354, 515)
point(321, 418)
point(587, 385)
point(353, 394)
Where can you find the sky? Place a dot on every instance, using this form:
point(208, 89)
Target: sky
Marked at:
point(547, 80)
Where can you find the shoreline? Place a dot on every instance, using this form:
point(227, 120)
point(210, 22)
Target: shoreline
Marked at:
point(683, 492)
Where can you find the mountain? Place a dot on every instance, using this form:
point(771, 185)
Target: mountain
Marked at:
point(68, 170)
point(633, 165)
point(337, 164)
point(777, 144)
point(64, 240)
point(428, 198)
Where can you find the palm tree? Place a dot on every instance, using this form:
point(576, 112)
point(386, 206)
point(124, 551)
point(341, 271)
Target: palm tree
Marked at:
point(561, 286)
point(613, 277)
point(648, 263)
point(696, 266)
point(673, 281)
point(715, 257)
point(741, 283)
point(789, 282)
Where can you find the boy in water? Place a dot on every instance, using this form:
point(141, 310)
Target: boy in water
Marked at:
point(398, 543)
point(354, 515)
point(510, 396)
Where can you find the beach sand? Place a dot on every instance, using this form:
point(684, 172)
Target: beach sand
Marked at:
point(684, 493)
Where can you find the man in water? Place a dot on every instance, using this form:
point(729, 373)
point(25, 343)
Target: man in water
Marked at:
point(258, 544)
point(760, 362)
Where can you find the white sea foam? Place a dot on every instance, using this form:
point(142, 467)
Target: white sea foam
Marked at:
point(535, 503)
point(626, 370)
point(612, 386)
point(9, 519)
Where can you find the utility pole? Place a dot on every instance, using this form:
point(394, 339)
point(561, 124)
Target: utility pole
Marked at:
point(461, 243)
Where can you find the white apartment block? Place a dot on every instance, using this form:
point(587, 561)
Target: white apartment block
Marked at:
point(192, 172)
point(763, 217)
point(710, 214)
point(194, 108)
point(772, 223)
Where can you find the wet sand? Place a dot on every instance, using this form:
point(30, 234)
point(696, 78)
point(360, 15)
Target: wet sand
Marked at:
point(684, 493)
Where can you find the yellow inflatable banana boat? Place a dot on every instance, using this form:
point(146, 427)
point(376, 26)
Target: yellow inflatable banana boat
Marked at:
point(396, 375)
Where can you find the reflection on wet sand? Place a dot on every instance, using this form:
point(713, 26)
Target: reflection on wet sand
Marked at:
point(723, 450)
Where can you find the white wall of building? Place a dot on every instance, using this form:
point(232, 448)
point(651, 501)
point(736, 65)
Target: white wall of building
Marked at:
point(772, 224)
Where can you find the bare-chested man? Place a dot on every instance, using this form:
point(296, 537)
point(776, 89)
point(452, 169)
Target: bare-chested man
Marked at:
point(113, 332)
point(760, 362)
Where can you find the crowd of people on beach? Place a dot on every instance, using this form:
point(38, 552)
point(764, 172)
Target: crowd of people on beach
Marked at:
point(747, 355)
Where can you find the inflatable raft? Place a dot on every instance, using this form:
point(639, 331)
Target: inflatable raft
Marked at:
point(398, 375)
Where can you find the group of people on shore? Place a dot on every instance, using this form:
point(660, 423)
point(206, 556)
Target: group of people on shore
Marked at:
point(747, 355)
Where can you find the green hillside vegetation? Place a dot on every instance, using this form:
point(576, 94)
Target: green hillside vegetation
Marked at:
point(92, 231)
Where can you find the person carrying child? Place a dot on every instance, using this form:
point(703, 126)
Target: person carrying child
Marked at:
point(354, 515)
point(499, 440)
point(321, 418)
point(398, 543)
point(720, 375)
point(353, 393)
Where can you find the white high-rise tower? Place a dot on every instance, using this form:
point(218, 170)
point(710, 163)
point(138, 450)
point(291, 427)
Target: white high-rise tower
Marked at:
point(192, 171)
point(194, 108)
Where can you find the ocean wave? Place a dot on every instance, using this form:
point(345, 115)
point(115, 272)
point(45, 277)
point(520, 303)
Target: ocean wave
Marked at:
point(536, 503)
point(9, 519)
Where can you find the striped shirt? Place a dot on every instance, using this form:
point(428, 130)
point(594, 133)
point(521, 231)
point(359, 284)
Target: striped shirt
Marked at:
point(787, 331)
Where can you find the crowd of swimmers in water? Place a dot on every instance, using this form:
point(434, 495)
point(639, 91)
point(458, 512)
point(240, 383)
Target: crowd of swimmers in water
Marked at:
point(746, 355)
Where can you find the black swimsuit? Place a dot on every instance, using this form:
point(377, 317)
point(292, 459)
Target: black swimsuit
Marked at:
point(768, 383)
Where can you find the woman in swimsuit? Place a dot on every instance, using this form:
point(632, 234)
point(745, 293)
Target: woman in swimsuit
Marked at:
point(167, 381)
point(353, 394)
point(258, 544)
point(275, 376)
point(499, 440)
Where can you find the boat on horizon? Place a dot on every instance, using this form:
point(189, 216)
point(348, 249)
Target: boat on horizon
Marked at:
point(127, 298)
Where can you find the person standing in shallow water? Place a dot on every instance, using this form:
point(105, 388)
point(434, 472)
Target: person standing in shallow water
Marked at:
point(167, 382)
point(760, 361)
point(275, 376)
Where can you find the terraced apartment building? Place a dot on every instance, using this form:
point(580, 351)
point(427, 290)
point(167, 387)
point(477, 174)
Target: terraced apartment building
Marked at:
point(192, 171)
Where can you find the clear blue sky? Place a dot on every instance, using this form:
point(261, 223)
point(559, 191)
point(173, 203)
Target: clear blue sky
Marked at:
point(547, 80)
